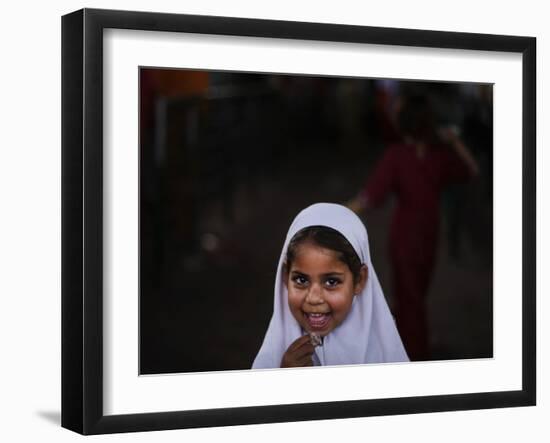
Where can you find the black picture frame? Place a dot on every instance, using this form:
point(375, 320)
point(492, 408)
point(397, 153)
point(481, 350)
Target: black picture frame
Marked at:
point(82, 220)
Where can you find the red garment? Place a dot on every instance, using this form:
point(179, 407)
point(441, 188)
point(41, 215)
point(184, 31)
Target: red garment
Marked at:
point(417, 183)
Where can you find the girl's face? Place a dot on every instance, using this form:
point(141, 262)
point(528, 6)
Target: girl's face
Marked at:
point(320, 288)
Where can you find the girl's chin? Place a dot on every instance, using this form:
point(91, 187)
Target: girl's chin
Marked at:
point(320, 331)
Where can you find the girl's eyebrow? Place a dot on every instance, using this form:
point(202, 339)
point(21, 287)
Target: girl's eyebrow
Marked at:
point(328, 274)
point(294, 271)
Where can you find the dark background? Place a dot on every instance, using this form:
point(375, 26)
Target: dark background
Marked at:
point(226, 162)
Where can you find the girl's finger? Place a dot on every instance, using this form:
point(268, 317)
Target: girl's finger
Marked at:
point(305, 361)
point(305, 350)
point(298, 343)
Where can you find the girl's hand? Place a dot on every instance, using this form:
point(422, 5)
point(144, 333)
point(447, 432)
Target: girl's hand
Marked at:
point(298, 353)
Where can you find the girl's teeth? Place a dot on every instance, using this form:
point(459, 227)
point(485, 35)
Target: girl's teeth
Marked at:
point(318, 320)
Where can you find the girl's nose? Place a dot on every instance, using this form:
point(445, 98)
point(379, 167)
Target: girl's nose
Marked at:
point(314, 295)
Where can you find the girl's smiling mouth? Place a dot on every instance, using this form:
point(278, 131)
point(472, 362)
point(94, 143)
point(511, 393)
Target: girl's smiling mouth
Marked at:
point(317, 321)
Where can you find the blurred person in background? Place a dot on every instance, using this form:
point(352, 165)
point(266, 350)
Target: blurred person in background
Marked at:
point(415, 169)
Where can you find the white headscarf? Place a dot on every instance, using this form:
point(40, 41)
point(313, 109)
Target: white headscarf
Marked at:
point(367, 335)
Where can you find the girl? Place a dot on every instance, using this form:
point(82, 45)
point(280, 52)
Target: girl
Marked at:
point(326, 291)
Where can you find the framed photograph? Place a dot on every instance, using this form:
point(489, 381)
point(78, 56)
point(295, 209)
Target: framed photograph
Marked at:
point(268, 221)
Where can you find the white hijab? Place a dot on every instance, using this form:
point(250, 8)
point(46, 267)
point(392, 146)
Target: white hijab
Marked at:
point(367, 335)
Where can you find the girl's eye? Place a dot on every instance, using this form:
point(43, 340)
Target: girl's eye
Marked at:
point(332, 282)
point(300, 280)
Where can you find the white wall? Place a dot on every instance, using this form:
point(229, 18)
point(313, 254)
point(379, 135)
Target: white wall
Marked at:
point(30, 222)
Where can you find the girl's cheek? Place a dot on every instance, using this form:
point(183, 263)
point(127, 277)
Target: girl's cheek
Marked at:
point(338, 298)
point(293, 295)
